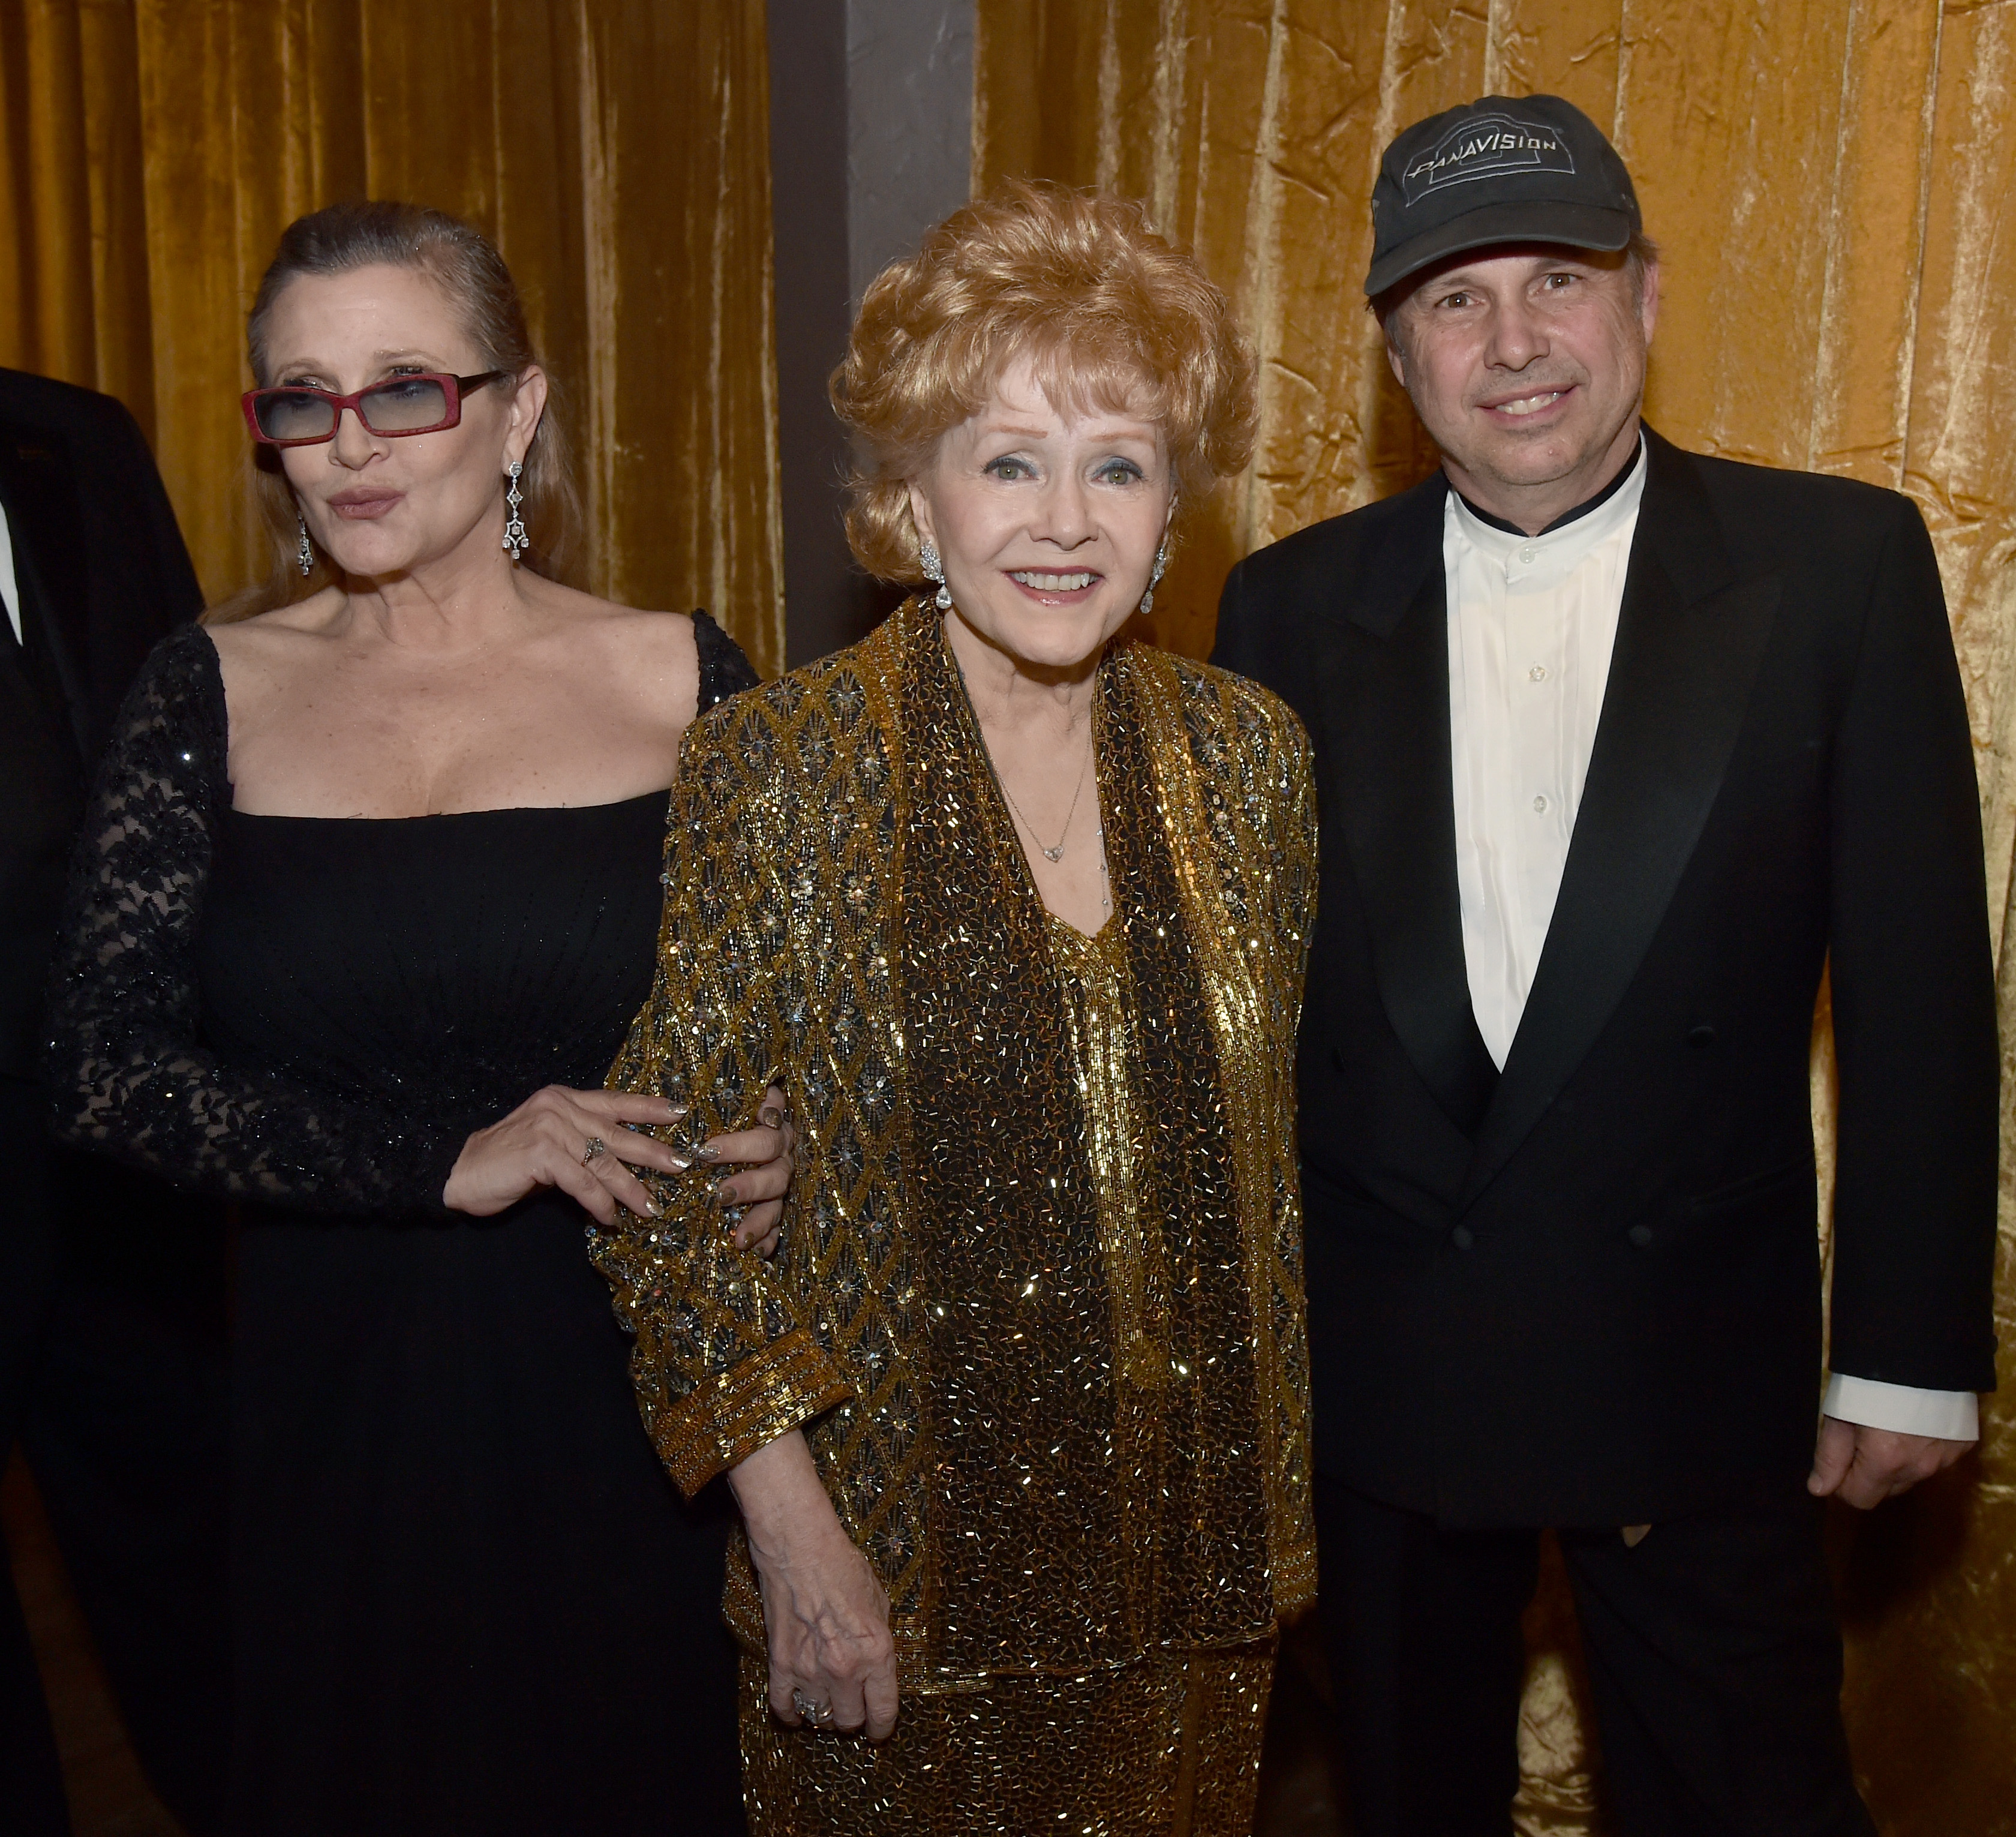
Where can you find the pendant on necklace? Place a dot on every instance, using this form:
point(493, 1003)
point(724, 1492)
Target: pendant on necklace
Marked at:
point(1056, 854)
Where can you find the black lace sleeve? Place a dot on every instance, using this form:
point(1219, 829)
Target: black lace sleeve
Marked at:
point(131, 1076)
point(724, 671)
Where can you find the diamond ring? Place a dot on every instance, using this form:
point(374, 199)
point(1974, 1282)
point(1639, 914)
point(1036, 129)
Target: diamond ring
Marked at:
point(596, 1146)
point(818, 1715)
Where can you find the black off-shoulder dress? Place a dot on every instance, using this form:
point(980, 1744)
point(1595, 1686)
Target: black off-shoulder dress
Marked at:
point(466, 1597)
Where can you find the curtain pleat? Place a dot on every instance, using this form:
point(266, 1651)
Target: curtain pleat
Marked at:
point(151, 151)
point(1831, 182)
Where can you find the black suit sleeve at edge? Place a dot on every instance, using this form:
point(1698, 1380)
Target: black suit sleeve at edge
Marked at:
point(1914, 1000)
point(180, 593)
point(131, 1078)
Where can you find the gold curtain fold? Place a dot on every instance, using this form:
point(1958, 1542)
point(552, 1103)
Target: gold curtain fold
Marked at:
point(151, 151)
point(1830, 181)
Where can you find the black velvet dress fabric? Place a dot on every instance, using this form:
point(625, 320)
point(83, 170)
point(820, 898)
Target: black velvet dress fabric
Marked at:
point(466, 1597)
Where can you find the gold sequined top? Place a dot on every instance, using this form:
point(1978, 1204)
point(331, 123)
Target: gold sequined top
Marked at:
point(1039, 1306)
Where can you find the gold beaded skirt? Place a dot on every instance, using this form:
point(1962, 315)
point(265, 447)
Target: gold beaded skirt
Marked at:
point(1168, 1747)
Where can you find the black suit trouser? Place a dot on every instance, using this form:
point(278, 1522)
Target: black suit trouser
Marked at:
point(1713, 1658)
point(31, 1789)
point(112, 1385)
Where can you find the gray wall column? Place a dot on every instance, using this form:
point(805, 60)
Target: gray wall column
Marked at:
point(909, 125)
point(871, 114)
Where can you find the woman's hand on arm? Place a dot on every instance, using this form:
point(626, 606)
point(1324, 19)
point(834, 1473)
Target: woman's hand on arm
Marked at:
point(549, 1141)
point(826, 1614)
point(545, 1142)
point(753, 1200)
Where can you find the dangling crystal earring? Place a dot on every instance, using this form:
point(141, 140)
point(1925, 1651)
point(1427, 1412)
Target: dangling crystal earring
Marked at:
point(516, 541)
point(1155, 578)
point(304, 551)
point(928, 556)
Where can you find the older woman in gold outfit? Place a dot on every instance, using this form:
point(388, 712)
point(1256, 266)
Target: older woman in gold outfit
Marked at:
point(1017, 1417)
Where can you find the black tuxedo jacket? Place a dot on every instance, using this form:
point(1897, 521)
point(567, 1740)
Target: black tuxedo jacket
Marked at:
point(1588, 1290)
point(102, 573)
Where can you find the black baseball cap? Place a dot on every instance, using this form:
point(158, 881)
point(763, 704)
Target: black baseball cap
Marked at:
point(1501, 169)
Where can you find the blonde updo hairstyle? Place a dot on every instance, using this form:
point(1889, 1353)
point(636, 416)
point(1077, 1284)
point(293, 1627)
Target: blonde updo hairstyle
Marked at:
point(465, 264)
point(1110, 314)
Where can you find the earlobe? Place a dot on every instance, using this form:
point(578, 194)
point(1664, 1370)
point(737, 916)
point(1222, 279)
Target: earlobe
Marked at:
point(518, 441)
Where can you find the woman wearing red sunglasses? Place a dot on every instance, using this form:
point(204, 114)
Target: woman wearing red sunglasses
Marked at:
point(376, 855)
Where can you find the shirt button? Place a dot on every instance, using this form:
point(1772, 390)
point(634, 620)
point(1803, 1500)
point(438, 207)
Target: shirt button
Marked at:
point(1640, 1235)
point(1537, 674)
point(1540, 804)
point(1529, 553)
point(1462, 1237)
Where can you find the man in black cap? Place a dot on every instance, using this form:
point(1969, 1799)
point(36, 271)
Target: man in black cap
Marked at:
point(1619, 746)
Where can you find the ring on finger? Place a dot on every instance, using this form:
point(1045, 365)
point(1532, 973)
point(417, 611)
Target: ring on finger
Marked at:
point(819, 1715)
point(595, 1149)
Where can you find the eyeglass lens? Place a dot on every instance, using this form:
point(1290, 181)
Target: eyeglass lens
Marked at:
point(400, 406)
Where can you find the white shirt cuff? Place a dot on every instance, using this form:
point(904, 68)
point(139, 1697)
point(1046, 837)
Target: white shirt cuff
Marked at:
point(1955, 1416)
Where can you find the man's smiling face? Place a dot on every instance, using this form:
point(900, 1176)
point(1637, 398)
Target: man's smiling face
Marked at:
point(1527, 366)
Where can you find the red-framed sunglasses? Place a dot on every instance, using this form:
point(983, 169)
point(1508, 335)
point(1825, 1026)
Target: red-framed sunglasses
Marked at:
point(294, 415)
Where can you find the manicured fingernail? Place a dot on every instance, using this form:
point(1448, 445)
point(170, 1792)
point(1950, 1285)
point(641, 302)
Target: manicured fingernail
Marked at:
point(724, 1193)
point(705, 1153)
point(677, 1109)
point(771, 1118)
point(680, 1164)
point(651, 1207)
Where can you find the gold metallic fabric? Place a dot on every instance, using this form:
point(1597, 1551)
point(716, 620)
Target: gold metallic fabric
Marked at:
point(1830, 182)
point(1169, 1747)
point(1044, 1240)
point(151, 152)
point(1104, 1043)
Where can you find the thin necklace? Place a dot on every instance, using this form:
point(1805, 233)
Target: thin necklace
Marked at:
point(1056, 854)
point(1001, 784)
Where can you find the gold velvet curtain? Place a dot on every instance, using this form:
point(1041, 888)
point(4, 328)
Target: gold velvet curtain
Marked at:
point(1831, 182)
point(152, 150)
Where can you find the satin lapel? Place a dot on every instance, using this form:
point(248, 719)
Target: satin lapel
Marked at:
point(1689, 640)
point(1386, 714)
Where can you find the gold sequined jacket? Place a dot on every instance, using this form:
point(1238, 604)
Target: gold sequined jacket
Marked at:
point(1039, 1306)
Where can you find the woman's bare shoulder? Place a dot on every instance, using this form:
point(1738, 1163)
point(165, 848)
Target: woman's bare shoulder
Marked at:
point(648, 661)
point(651, 648)
point(269, 637)
point(642, 628)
